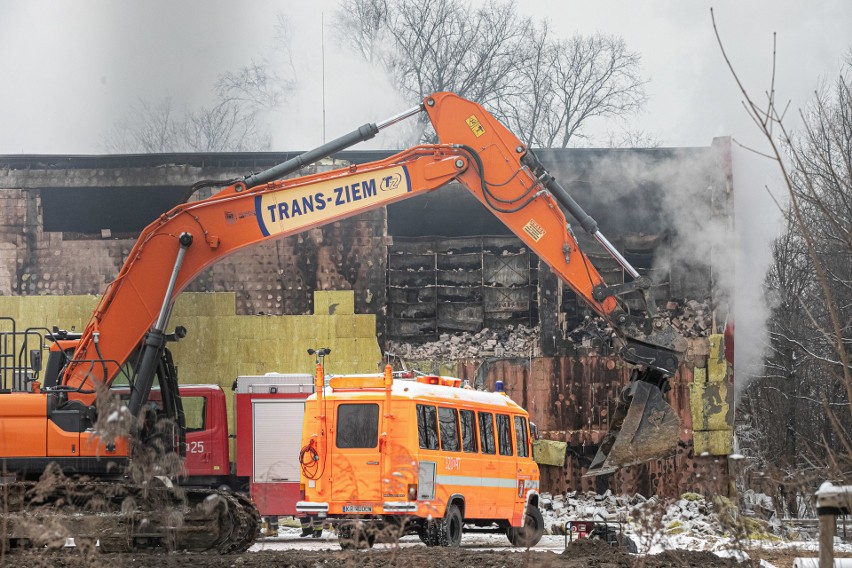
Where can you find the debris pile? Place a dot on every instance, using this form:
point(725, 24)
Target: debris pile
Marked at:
point(511, 341)
point(654, 518)
point(691, 318)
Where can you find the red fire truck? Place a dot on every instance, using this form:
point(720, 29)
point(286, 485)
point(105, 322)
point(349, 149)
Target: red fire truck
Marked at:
point(268, 410)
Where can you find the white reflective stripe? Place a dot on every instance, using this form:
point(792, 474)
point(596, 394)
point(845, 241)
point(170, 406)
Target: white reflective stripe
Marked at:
point(307, 506)
point(400, 506)
point(471, 481)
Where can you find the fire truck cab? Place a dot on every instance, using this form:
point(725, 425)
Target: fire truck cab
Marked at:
point(268, 413)
point(388, 456)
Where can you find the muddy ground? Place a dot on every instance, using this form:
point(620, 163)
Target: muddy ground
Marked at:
point(579, 554)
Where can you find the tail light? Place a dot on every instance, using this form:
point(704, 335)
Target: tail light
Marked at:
point(301, 492)
point(412, 492)
point(520, 488)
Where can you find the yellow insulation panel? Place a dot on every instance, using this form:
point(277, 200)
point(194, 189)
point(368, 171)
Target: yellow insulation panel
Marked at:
point(550, 452)
point(220, 345)
point(711, 403)
point(714, 442)
point(334, 303)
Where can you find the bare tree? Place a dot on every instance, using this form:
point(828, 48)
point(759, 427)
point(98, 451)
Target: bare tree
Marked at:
point(631, 138)
point(253, 86)
point(584, 77)
point(363, 26)
point(155, 127)
point(804, 402)
point(544, 88)
point(151, 128)
point(227, 126)
point(233, 122)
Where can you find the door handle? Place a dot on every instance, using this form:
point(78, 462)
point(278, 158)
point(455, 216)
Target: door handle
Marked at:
point(372, 463)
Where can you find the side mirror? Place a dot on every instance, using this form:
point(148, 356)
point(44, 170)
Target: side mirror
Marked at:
point(35, 360)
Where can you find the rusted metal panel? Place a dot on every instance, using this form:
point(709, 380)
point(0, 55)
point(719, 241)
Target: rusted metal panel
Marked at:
point(570, 399)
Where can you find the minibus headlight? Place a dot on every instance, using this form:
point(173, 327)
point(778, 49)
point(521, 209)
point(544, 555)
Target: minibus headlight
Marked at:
point(412, 492)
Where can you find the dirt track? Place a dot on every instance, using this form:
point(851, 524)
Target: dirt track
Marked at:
point(579, 554)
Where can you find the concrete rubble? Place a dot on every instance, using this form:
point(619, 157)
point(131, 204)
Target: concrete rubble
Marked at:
point(689, 318)
point(690, 516)
point(511, 341)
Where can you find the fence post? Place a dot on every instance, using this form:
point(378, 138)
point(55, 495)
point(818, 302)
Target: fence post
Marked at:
point(832, 500)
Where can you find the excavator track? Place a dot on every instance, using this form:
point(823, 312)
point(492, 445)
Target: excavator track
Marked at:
point(124, 517)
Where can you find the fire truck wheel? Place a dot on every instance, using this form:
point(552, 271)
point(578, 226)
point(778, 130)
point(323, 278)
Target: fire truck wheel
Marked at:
point(355, 536)
point(450, 527)
point(528, 535)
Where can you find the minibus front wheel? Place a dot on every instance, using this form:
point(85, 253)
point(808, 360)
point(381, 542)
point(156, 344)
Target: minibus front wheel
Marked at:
point(528, 535)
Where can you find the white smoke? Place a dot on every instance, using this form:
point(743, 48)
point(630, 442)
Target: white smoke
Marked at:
point(758, 223)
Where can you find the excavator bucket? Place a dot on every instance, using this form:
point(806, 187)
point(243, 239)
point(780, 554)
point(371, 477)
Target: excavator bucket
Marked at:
point(644, 427)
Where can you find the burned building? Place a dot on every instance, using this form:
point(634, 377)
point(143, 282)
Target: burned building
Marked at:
point(452, 288)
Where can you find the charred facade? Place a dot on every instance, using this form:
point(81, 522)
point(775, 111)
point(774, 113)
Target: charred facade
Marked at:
point(431, 268)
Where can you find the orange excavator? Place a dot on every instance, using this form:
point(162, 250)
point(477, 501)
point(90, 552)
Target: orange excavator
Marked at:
point(69, 417)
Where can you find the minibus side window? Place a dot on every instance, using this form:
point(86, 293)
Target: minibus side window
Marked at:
point(504, 434)
point(486, 433)
point(448, 418)
point(427, 427)
point(468, 427)
point(357, 425)
point(521, 437)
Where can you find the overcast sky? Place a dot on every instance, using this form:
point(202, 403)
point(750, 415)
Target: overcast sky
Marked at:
point(69, 70)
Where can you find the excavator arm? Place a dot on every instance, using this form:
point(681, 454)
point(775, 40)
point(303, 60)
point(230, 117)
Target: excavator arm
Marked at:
point(475, 150)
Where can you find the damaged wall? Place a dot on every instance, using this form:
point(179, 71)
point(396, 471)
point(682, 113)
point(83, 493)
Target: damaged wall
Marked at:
point(274, 278)
point(434, 270)
point(571, 398)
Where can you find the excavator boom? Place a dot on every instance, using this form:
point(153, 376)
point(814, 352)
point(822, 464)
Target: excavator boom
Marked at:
point(475, 150)
point(126, 335)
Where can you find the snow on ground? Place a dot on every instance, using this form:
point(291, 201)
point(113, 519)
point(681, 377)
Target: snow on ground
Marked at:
point(690, 523)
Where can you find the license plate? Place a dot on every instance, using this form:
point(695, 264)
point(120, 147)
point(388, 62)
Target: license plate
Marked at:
point(357, 509)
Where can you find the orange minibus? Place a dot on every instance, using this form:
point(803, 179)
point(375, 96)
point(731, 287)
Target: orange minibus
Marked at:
point(421, 456)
